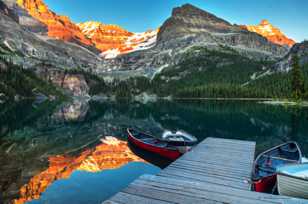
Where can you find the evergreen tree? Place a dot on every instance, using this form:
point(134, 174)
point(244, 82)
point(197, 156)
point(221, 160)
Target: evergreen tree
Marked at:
point(297, 79)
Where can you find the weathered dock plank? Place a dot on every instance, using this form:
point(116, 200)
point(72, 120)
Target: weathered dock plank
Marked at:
point(217, 171)
point(214, 160)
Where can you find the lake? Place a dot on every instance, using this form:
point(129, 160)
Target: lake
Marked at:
point(76, 152)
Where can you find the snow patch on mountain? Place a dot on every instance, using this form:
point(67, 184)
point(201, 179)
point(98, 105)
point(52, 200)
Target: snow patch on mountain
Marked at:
point(136, 42)
point(257, 75)
point(142, 41)
point(110, 54)
point(89, 28)
point(159, 70)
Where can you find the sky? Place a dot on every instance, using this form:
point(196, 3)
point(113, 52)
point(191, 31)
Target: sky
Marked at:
point(291, 16)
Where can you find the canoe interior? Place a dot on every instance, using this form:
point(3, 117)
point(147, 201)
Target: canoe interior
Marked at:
point(179, 136)
point(149, 139)
point(267, 163)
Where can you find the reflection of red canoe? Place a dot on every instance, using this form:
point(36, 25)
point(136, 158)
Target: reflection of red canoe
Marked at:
point(266, 164)
point(152, 144)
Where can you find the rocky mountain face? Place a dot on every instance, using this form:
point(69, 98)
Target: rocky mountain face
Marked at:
point(270, 32)
point(4, 8)
point(113, 40)
point(59, 27)
point(190, 20)
point(105, 37)
point(24, 18)
point(36, 51)
point(190, 26)
point(299, 49)
point(73, 83)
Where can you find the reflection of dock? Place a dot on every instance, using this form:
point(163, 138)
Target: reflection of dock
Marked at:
point(215, 171)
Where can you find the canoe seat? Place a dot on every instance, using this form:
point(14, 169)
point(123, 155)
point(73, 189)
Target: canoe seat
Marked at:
point(267, 169)
point(283, 159)
point(272, 163)
point(155, 142)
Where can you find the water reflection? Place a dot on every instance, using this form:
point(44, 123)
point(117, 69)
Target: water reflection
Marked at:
point(73, 111)
point(110, 154)
point(31, 136)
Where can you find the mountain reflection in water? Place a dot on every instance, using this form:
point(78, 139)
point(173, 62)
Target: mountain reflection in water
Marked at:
point(42, 143)
point(110, 154)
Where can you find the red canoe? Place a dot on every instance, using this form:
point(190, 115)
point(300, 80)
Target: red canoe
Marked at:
point(152, 144)
point(266, 164)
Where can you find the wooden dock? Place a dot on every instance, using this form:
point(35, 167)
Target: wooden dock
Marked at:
point(217, 171)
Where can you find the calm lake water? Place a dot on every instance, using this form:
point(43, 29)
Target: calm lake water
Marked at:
point(77, 152)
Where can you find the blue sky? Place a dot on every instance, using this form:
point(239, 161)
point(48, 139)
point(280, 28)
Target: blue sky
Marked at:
point(291, 16)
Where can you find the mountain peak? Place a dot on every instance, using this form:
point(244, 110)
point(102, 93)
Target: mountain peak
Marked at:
point(191, 11)
point(264, 22)
point(188, 19)
point(272, 33)
point(188, 8)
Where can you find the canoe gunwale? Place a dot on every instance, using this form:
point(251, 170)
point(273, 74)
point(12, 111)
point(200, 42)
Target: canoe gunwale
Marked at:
point(279, 172)
point(291, 176)
point(269, 150)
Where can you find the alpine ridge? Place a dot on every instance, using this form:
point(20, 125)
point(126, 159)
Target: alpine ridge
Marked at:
point(60, 27)
point(273, 34)
point(113, 40)
point(189, 26)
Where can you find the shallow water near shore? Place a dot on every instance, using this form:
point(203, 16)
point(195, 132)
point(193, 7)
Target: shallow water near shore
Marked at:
point(57, 153)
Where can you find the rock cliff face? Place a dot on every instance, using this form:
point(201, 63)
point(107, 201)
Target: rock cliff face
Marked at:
point(190, 20)
point(37, 48)
point(73, 84)
point(110, 39)
point(76, 84)
point(113, 40)
point(6, 7)
point(270, 32)
point(105, 37)
point(25, 19)
point(59, 27)
point(299, 49)
point(189, 25)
